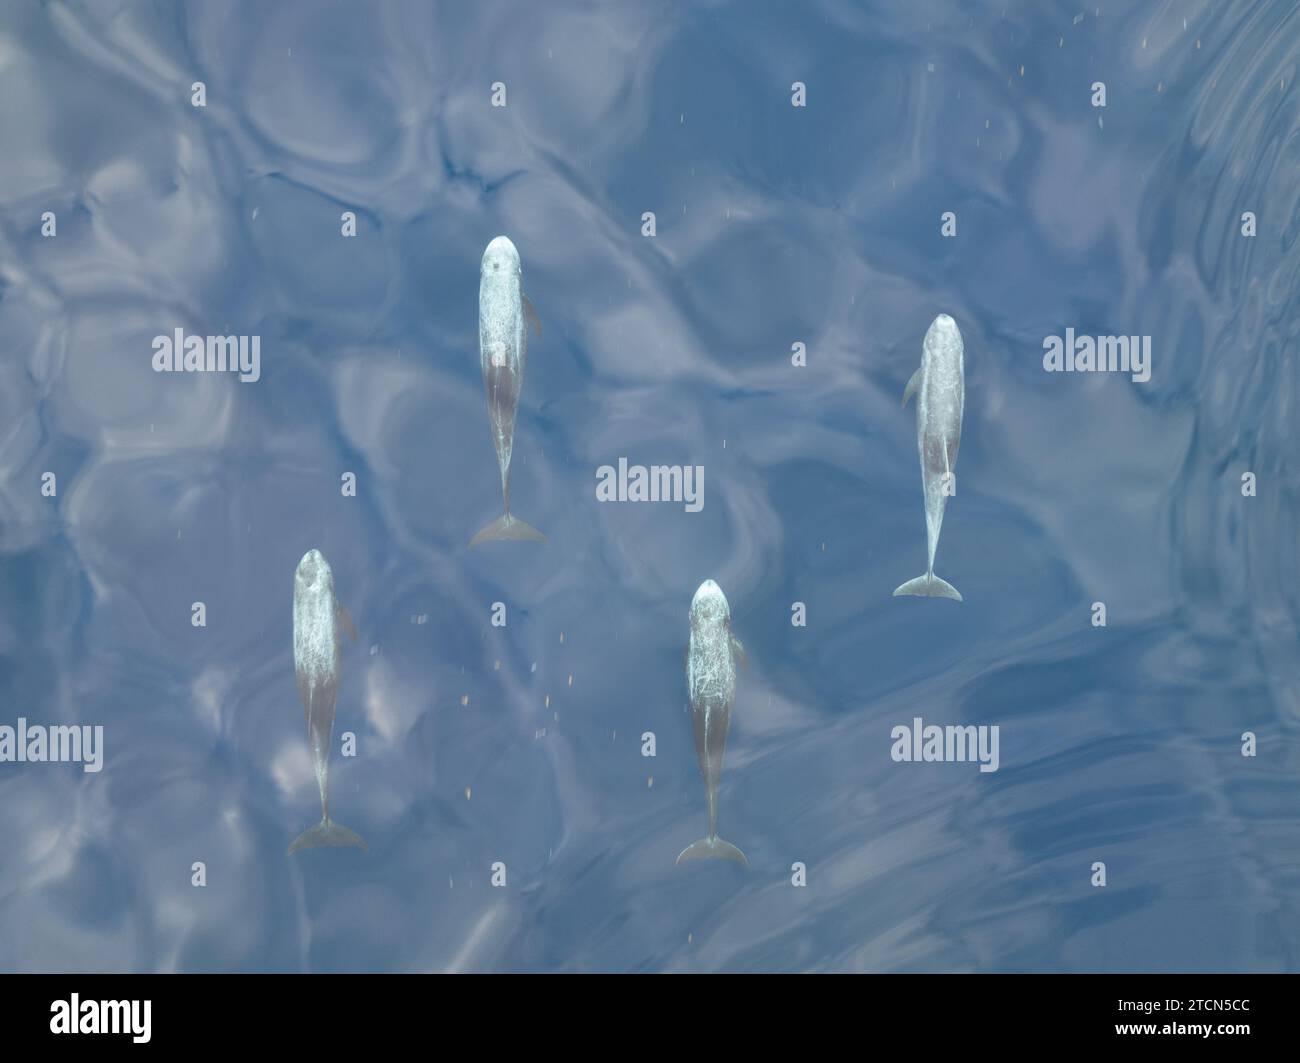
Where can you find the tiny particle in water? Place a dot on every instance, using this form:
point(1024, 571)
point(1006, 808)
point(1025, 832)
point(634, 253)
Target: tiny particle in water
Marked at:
point(464, 699)
point(1144, 42)
point(534, 667)
point(1198, 42)
point(570, 680)
point(1160, 86)
point(467, 793)
point(690, 938)
point(1061, 43)
point(496, 666)
point(561, 638)
point(557, 717)
point(650, 782)
point(1022, 70)
point(548, 701)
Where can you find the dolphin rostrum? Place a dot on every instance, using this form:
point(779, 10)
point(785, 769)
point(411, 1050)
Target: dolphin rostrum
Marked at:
point(711, 660)
point(502, 350)
point(940, 389)
point(317, 618)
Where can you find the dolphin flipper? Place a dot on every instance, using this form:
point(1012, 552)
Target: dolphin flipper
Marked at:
point(327, 832)
point(712, 849)
point(345, 620)
point(507, 527)
point(912, 385)
point(928, 586)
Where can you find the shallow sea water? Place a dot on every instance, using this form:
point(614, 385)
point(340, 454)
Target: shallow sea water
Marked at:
point(775, 225)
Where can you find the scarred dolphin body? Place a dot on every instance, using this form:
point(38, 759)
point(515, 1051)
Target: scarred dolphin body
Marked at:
point(940, 389)
point(711, 659)
point(502, 351)
point(317, 621)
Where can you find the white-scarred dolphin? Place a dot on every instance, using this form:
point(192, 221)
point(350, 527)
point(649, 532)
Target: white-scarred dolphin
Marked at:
point(940, 389)
point(317, 620)
point(502, 351)
point(711, 660)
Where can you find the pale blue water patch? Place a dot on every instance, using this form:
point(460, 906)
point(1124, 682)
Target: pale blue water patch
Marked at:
point(775, 225)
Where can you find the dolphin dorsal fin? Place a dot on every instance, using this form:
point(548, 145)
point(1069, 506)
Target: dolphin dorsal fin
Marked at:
point(912, 385)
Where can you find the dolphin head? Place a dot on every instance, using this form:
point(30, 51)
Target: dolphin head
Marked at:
point(942, 339)
point(313, 576)
point(943, 325)
point(709, 606)
point(943, 329)
point(500, 259)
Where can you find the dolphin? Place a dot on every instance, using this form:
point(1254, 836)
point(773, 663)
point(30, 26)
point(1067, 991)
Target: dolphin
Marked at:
point(502, 350)
point(711, 660)
point(940, 389)
point(317, 618)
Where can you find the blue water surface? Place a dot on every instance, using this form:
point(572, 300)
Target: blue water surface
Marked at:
point(775, 225)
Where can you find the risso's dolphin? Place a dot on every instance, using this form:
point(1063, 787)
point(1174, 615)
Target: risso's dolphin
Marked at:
point(502, 350)
point(940, 389)
point(711, 660)
point(317, 618)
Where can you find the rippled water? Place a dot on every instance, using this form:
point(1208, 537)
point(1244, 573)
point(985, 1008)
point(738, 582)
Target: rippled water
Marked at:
point(775, 225)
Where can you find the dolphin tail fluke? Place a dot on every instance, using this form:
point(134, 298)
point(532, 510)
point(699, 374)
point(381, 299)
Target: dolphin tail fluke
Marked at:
point(712, 849)
point(327, 832)
point(928, 586)
point(507, 527)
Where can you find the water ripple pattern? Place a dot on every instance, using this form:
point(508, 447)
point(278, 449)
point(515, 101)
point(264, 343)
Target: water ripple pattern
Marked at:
point(775, 225)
